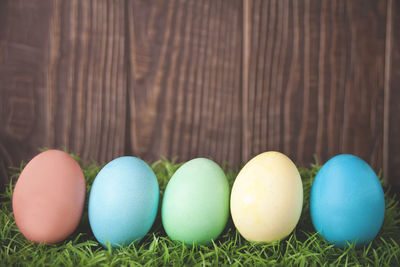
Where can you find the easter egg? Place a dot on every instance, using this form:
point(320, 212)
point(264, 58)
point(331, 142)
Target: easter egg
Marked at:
point(267, 198)
point(347, 202)
point(123, 201)
point(49, 197)
point(195, 205)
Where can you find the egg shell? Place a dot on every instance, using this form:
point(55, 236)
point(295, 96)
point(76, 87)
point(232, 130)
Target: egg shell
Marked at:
point(267, 198)
point(123, 201)
point(347, 202)
point(49, 197)
point(195, 206)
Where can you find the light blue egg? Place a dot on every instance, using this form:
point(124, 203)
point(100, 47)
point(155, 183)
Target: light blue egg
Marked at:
point(123, 201)
point(347, 202)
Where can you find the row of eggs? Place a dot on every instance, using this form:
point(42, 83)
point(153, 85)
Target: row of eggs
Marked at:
point(347, 201)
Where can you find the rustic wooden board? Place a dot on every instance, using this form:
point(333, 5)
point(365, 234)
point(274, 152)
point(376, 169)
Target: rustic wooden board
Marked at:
point(393, 112)
point(86, 78)
point(315, 78)
point(23, 33)
point(221, 79)
point(184, 79)
point(63, 79)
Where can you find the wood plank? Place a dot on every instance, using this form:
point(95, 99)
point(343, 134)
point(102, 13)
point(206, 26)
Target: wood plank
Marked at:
point(392, 171)
point(315, 79)
point(185, 79)
point(167, 78)
point(63, 73)
point(23, 33)
point(86, 79)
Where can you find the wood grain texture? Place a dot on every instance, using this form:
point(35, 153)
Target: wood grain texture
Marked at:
point(23, 34)
point(393, 120)
point(86, 78)
point(63, 79)
point(316, 78)
point(184, 82)
point(225, 79)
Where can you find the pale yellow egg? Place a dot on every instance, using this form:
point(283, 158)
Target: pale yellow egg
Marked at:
point(267, 198)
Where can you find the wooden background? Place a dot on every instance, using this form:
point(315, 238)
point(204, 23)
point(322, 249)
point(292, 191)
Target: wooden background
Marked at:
point(223, 79)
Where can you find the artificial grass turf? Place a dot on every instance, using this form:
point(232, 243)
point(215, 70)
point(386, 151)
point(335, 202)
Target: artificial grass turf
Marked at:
point(303, 247)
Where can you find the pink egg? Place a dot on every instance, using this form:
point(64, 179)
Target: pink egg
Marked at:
point(49, 197)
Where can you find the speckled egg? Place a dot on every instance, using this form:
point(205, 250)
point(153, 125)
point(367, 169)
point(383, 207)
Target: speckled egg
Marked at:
point(347, 202)
point(195, 206)
point(49, 197)
point(123, 201)
point(267, 198)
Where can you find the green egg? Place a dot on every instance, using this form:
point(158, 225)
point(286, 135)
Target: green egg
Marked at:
point(195, 206)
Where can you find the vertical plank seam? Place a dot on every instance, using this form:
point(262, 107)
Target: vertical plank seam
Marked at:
point(127, 140)
point(259, 83)
point(215, 76)
point(275, 102)
point(335, 52)
point(306, 84)
point(386, 105)
point(180, 87)
point(231, 147)
point(207, 79)
point(266, 75)
point(70, 83)
point(193, 80)
point(245, 77)
point(53, 62)
point(293, 80)
point(321, 77)
point(348, 76)
point(225, 79)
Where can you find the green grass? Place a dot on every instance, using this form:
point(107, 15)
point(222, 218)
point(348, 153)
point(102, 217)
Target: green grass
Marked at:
point(302, 248)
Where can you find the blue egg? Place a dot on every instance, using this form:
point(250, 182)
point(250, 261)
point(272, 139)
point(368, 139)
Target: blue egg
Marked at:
point(123, 202)
point(347, 202)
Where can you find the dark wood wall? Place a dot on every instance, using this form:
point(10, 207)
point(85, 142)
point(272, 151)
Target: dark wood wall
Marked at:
point(222, 79)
